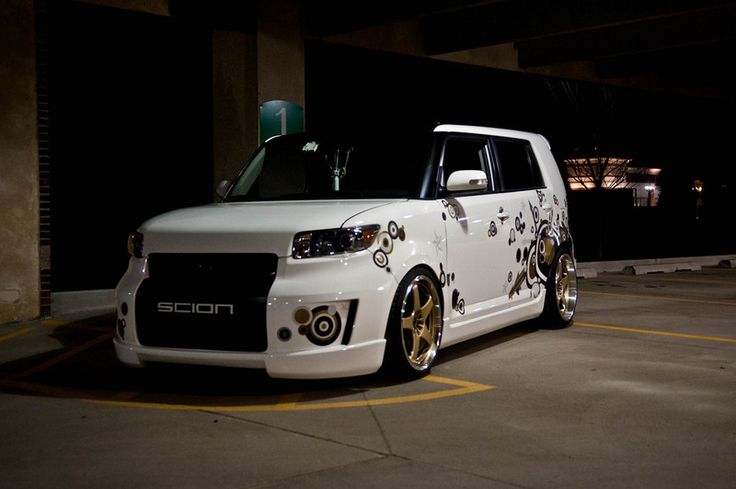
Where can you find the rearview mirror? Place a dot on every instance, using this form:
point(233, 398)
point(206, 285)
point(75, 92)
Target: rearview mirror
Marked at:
point(464, 180)
point(221, 189)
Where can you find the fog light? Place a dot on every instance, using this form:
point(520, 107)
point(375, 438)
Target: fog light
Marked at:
point(325, 326)
point(284, 334)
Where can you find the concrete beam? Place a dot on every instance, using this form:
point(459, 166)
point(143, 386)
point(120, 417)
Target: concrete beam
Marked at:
point(157, 7)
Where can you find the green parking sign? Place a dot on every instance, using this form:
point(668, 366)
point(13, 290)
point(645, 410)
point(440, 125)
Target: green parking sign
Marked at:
point(280, 117)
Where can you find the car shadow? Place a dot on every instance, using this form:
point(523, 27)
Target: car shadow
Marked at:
point(487, 341)
point(84, 365)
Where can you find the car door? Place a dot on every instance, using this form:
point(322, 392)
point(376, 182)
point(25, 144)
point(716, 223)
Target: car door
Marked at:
point(474, 268)
point(527, 210)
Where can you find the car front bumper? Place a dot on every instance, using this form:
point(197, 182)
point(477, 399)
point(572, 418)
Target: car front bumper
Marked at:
point(305, 299)
point(335, 361)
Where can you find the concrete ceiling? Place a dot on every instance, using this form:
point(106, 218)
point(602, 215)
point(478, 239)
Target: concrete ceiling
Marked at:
point(687, 44)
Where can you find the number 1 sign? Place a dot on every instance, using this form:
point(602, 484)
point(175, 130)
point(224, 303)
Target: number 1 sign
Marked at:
point(279, 117)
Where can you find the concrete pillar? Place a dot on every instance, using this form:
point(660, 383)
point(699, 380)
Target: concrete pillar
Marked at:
point(249, 69)
point(19, 183)
point(234, 100)
point(281, 51)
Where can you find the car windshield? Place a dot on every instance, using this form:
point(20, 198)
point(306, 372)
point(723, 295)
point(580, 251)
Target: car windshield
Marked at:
point(302, 167)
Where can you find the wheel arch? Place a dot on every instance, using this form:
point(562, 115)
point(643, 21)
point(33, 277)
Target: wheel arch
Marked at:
point(551, 314)
point(395, 362)
point(421, 265)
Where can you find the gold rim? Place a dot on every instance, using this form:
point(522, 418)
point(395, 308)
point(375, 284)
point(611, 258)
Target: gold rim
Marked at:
point(421, 322)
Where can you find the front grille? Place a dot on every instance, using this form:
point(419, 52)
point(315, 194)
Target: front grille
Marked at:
point(207, 301)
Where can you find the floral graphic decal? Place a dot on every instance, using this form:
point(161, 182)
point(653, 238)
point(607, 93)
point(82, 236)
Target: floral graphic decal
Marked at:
point(492, 229)
point(446, 278)
point(548, 232)
point(452, 210)
point(385, 240)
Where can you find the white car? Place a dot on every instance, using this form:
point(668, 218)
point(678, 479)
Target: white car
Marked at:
point(333, 259)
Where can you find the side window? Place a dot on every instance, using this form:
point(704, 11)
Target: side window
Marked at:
point(516, 164)
point(463, 154)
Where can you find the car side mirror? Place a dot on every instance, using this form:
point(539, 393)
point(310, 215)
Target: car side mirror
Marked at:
point(464, 180)
point(221, 189)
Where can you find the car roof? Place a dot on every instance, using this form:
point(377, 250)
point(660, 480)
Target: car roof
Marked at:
point(489, 131)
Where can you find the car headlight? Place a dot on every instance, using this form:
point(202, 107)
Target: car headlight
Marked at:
point(333, 241)
point(135, 244)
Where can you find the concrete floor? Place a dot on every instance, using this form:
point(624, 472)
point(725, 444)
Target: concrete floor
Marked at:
point(640, 392)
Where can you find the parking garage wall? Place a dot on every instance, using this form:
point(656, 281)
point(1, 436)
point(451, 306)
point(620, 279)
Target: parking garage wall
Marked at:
point(19, 202)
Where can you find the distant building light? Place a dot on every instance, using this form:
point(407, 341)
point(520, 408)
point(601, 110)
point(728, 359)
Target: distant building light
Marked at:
point(608, 172)
point(597, 172)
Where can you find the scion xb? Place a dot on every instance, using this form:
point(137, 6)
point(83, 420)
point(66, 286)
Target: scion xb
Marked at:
point(338, 257)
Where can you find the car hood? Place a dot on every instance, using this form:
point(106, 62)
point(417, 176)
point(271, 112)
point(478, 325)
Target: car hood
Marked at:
point(246, 227)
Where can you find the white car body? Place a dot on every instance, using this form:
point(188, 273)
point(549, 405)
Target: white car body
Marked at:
point(326, 316)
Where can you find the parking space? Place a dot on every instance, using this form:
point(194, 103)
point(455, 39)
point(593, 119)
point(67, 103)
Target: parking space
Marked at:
point(639, 392)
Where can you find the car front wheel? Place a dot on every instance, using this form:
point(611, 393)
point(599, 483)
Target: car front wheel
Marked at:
point(414, 327)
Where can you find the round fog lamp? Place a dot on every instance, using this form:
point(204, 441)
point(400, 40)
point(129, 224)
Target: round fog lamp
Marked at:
point(284, 334)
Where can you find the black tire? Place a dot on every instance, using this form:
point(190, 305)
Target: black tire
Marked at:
point(414, 329)
point(562, 292)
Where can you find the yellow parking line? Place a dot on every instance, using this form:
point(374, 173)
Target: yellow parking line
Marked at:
point(458, 383)
point(654, 332)
point(56, 323)
point(15, 334)
point(45, 390)
point(53, 323)
point(698, 281)
point(462, 388)
point(721, 270)
point(60, 358)
point(288, 401)
point(125, 396)
point(659, 298)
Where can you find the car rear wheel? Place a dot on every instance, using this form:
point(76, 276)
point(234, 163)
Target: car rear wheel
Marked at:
point(562, 292)
point(414, 329)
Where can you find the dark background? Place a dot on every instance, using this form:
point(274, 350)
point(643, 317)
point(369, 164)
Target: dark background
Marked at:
point(130, 132)
point(687, 137)
point(130, 99)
